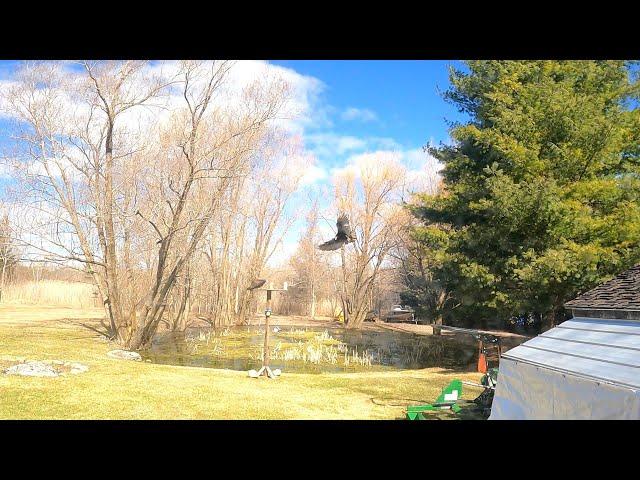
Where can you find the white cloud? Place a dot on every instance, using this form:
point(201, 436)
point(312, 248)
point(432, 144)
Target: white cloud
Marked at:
point(359, 114)
point(371, 163)
point(283, 253)
point(423, 171)
point(301, 167)
point(328, 145)
point(313, 174)
point(40, 227)
point(6, 171)
point(346, 144)
point(306, 114)
point(420, 169)
point(303, 106)
point(302, 109)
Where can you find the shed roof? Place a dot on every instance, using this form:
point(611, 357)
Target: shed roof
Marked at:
point(600, 349)
point(619, 293)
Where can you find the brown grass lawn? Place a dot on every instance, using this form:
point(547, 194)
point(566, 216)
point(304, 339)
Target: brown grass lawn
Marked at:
point(117, 389)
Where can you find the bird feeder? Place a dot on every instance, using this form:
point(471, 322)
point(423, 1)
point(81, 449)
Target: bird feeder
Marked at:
point(265, 370)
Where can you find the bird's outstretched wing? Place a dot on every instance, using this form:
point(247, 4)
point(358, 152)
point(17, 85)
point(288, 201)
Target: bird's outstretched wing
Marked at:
point(257, 283)
point(333, 244)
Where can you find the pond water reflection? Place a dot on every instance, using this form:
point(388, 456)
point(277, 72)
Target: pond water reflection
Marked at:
point(311, 350)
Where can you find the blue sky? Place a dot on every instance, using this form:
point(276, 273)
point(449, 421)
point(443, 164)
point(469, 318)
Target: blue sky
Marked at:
point(368, 106)
point(362, 105)
point(398, 100)
point(354, 107)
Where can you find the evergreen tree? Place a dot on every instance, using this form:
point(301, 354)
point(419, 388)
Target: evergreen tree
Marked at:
point(542, 190)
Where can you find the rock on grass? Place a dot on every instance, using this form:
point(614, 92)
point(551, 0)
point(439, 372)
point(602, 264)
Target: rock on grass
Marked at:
point(125, 355)
point(32, 369)
point(46, 368)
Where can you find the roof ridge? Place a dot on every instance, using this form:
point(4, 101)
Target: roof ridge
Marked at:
point(620, 292)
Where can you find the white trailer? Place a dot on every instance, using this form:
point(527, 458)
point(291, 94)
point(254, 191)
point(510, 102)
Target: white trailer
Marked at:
point(585, 368)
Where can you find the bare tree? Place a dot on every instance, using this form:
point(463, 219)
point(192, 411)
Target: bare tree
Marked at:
point(313, 272)
point(8, 252)
point(250, 229)
point(416, 257)
point(369, 192)
point(129, 168)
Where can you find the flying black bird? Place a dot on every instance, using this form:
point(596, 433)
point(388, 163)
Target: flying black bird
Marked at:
point(344, 235)
point(257, 283)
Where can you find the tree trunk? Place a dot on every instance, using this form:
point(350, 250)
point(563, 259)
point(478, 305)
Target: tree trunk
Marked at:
point(110, 258)
point(313, 302)
point(437, 325)
point(4, 269)
point(549, 320)
point(442, 296)
point(180, 321)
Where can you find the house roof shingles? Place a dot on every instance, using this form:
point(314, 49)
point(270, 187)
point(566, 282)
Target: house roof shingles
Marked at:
point(619, 293)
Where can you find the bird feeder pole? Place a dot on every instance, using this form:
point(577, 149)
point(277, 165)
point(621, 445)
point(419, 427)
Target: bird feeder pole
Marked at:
point(267, 314)
point(266, 357)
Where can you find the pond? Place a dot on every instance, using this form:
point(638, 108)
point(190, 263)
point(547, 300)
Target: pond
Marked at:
point(311, 350)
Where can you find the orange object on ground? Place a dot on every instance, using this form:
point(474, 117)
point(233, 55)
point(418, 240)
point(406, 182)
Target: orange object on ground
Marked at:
point(482, 363)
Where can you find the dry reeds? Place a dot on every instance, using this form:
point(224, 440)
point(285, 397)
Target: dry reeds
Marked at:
point(51, 292)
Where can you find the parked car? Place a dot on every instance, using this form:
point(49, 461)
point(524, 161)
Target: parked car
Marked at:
point(398, 313)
